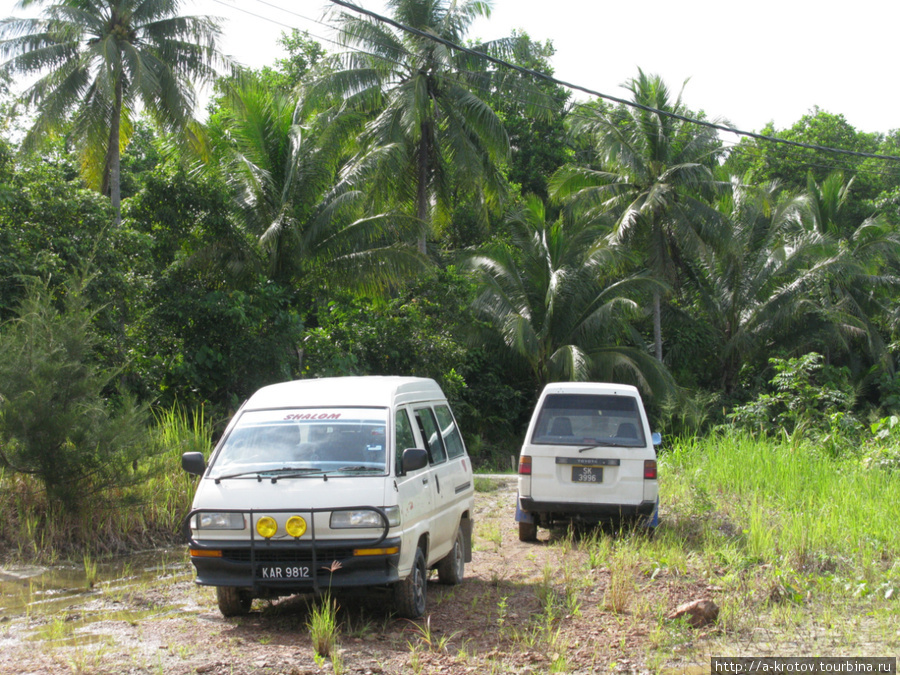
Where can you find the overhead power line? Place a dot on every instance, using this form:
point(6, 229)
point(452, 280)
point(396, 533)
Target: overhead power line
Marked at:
point(608, 97)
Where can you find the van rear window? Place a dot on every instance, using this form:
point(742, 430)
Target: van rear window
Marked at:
point(589, 419)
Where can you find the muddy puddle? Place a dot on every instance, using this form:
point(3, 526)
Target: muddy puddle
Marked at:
point(64, 604)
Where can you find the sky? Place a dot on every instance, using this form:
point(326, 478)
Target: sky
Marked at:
point(747, 63)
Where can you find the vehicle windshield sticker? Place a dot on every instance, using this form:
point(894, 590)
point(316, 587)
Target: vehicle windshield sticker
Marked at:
point(313, 416)
point(374, 448)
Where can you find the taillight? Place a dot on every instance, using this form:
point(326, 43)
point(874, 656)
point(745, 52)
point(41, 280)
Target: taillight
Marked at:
point(649, 469)
point(524, 465)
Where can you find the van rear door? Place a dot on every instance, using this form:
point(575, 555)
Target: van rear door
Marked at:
point(589, 448)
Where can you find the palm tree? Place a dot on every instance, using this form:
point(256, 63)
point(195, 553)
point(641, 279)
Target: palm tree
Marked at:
point(759, 285)
point(430, 128)
point(99, 63)
point(653, 172)
point(281, 167)
point(553, 304)
point(862, 263)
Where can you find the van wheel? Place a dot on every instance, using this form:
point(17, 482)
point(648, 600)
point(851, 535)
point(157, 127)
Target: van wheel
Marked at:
point(527, 532)
point(452, 569)
point(233, 601)
point(409, 594)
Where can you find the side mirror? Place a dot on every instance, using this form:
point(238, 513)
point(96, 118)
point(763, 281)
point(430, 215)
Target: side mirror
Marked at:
point(656, 438)
point(193, 463)
point(414, 459)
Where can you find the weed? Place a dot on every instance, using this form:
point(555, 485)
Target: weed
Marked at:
point(427, 637)
point(56, 629)
point(323, 625)
point(573, 601)
point(337, 662)
point(85, 659)
point(490, 531)
point(415, 662)
point(90, 570)
point(502, 610)
point(559, 664)
point(620, 590)
point(463, 654)
point(544, 590)
point(187, 651)
point(484, 484)
point(360, 628)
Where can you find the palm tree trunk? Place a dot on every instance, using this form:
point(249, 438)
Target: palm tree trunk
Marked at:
point(657, 326)
point(112, 172)
point(422, 187)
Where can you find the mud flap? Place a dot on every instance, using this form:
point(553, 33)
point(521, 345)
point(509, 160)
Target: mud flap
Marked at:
point(466, 526)
point(522, 516)
point(653, 520)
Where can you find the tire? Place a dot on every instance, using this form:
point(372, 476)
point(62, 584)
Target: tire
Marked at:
point(452, 569)
point(233, 601)
point(527, 532)
point(409, 594)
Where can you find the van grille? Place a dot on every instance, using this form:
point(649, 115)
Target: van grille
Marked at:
point(323, 555)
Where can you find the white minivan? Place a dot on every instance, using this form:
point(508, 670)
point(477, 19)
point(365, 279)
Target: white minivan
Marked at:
point(333, 483)
point(588, 456)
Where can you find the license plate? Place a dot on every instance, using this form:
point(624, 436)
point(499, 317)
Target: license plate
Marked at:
point(284, 572)
point(587, 474)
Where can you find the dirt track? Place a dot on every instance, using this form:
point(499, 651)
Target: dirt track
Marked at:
point(523, 608)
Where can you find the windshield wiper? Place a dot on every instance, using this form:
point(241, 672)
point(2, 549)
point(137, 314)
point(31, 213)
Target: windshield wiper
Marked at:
point(219, 479)
point(275, 474)
point(290, 472)
point(607, 444)
point(359, 467)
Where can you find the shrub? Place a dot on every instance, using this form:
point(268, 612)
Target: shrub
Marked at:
point(55, 421)
point(808, 400)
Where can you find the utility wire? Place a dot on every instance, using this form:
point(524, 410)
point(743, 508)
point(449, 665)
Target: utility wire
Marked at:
point(575, 111)
point(608, 97)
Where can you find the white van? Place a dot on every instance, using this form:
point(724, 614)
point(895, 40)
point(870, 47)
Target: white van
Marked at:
point(333, 483)
point(588, 456)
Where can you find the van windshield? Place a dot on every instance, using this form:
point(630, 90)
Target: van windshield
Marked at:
point(310, 441)
point(589, 419)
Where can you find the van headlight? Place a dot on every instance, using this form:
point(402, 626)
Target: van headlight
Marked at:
point(219, 521)
point(363, 518)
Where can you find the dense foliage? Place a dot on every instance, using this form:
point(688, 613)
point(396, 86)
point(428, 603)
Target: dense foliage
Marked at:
point(55, 422)
point(288, 240)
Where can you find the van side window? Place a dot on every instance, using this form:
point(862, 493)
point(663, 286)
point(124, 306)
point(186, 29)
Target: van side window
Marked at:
point(403, 439)
point(434, 444)
point(452, 439)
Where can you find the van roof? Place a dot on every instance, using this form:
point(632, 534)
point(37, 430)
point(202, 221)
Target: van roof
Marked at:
point(370, 390)
point(589, 388)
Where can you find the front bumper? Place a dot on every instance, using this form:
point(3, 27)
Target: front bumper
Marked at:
point(284, 568)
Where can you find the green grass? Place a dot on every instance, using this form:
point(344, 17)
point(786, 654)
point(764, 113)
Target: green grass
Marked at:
point(778, 503)
point(483, 484)
point(794, 546)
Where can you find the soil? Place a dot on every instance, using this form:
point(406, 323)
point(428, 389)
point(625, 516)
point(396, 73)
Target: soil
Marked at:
point(522, 608)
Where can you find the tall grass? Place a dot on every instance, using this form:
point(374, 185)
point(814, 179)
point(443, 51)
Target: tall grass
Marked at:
point(785, 501)
point(145, 512)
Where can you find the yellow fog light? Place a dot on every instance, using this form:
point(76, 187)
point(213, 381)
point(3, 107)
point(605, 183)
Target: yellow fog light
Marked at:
point(266, 526)
point(295, 526)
